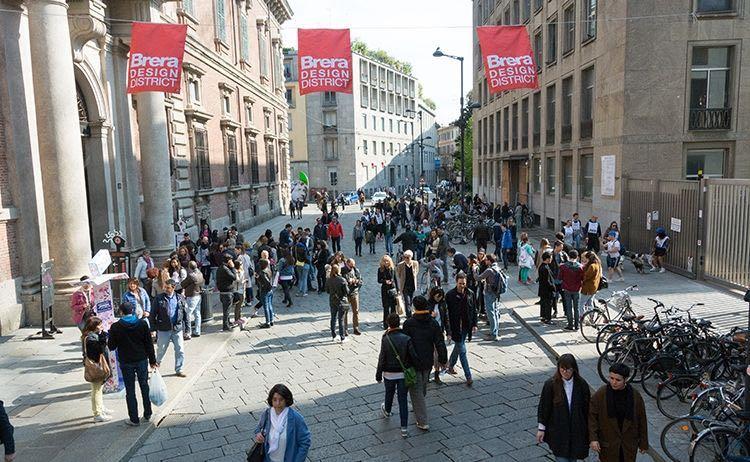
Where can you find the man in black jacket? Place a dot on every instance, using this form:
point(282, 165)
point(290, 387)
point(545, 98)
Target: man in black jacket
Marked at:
point(408, 240)
point(320, 231)
point(226, 275)
point(170, 319)
point(135, 351)
point(353, 278)
point(427, 337)
point(462, 316)
point(6, 435)
point(482, 234)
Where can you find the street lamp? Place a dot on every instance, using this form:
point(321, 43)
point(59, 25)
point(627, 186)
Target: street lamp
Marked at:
point(438, 53)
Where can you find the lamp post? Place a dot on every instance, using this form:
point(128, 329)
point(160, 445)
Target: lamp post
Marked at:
point(439, 54)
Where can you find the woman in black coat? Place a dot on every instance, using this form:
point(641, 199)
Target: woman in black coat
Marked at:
point(320, 259)
point(546, 289)
point(563, 412)
point(388, 290)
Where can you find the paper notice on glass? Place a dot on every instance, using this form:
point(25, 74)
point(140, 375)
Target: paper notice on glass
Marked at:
point(608, 175)
point(648, 221)
point(675, 224)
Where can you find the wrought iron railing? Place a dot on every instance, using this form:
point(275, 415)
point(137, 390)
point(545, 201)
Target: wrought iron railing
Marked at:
point(711, 119)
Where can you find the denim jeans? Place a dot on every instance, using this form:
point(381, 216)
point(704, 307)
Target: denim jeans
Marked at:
point(403, 408)
point(129, 373)
point(576, 241)
point(408, 298)
point(564, 459)
point(226, 302)
point(303, 272)
point(389, 244)
point(571, 307)
point(194, 311)
point(493, 315)
point(444, 259)
point(337, 313)
point(163, 339)
point(506, 258)
point(335, 244)
point(312, 277)
point(586, 301)
point(268, 306)
point(459, 352)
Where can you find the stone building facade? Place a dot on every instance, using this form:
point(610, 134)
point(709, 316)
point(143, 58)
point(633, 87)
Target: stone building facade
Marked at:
point(297, 116)
point(365, 140)
point(661, 95)
point(82, 158)
point(447, 147)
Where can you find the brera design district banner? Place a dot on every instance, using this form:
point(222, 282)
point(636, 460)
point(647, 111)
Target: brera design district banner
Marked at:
point(325, 60)
point(156, 52)
point(508, 59)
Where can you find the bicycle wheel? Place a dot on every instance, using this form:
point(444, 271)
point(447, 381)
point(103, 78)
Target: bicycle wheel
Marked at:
point(457, 237)
point(709, 404)
point(656, 372)
point(616, 355)
point(715, 443)
point(604, 333)
point(591, 321)
point(675, 396)
point(677, 436)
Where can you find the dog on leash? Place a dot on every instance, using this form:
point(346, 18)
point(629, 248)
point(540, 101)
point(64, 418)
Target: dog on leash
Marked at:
point(639, 261)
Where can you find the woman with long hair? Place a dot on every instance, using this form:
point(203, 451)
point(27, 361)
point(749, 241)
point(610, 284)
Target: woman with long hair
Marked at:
point(436, 304)
point(286, 276)
point(282, 430)
point(525, 259)
point(139, 298)
point(388, 290)
point(563, 412)
point(94, 339)
point(592, 275)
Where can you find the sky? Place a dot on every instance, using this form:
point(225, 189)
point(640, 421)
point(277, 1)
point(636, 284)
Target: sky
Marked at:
point(409, 30)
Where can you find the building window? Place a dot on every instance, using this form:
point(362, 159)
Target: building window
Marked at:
point(382, 124)
point(231, 152)
point(525, 123)
point(515, 126)
point(363, 75)
point(538, 50)
point(329, 98)
point(329, 119)
point(567, 176)
point(526, 10)
point(364, 147)
point(244, 39)
point(333, 177)
point(331, 149)
point(271, 162)
point(364, 121)
point(249, 112)
point(516, 12)
point(538, 5)
point(375, 148)
point(709, 88)
point(569, 26)
point(586, 176)
point(383, 101)
point(536, 165)
point(221, 20)
point(537, 125)
point(390, 125)
point(497, 132)
point(194, 88)
point(262, 50)
point(709, 162)
point(506, 129)
point(551, 175)
point(714, 6)
point(374, 99)
point(506, 17)
point(552, 41)
point(202, 162)
point(291, 150)
point(188, 7)
point(289, 122)
point(289, 97)
point(382, 147)
point(391, 148)
point(364, 100)
point(267, 119)
point(588, 30)
point(252, 147)
point(587, 103)
point(567, 110)
point(550, 138)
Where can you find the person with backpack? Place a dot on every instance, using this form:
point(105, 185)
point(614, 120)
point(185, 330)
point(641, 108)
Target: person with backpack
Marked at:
point(571, 274)
point(547, 289)
point(427, 338)
point(496, 283)
point(302, 267)
point(397, 354)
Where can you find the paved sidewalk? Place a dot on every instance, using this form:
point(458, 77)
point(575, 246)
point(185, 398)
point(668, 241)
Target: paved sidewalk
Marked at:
point(42, 386)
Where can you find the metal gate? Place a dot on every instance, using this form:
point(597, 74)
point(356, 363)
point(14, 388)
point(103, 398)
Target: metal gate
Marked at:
point(727, 223)
point(670, 204)
point(708, 222)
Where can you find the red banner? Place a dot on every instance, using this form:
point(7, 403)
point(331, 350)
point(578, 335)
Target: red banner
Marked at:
point(324, 60)
point(156, 52)
point(508, 59)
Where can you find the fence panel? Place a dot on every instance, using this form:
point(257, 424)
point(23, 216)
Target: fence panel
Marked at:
point(727, 248)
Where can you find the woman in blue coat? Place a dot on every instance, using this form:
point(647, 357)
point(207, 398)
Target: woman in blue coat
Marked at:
point(281, 429)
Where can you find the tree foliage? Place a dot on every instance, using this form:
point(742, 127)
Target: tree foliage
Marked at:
point(361, 47)
point(427, 101)
point(468, 145)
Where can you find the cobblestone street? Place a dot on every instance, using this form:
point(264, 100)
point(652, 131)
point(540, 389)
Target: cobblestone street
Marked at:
point(334, 387)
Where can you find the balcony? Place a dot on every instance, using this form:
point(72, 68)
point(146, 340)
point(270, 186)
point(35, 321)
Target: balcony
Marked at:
point(710, 119)
point(587, 129)
point(567, 133)
point(330, 128)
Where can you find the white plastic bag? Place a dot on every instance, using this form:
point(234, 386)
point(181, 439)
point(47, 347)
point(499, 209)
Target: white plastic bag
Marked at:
point(157, 389)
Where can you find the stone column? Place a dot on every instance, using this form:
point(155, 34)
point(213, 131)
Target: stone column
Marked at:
point(60, 151)
point(155, 170)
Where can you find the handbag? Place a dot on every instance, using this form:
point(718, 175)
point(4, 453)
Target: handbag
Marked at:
point(410, 374)
point(257, 453)
point(603, 283)
point(95, 371)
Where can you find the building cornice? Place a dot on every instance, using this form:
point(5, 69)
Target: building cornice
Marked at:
point(280, 10)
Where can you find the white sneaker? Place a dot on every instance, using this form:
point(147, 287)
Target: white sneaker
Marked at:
point(102, 418)
point(107, 411)
point(345, 339)
point(662, 270)
point(652, 269)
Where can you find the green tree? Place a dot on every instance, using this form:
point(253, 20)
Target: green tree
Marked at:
point(358, 46)
point(427, 101)
point(468, 145)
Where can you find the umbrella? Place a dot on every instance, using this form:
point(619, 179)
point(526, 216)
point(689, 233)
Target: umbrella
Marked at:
point(303, 178)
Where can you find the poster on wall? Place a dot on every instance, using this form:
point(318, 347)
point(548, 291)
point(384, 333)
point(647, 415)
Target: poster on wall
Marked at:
point(508, 58)
point(675, 224)
point(608, 175)
point(156, 52)
point(324, 60)
point(648, 221)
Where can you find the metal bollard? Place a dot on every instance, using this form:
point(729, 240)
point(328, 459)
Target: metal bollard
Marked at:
point(206, 311)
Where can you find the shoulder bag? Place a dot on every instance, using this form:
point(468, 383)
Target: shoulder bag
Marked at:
point(410, 374)
point(257, 453)
point(94, 372)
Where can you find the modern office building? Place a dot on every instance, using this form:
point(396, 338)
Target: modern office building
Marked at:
point(365, 140)
point(80, 158)
point(657, 96)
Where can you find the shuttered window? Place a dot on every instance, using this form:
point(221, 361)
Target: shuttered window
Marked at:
point(221, 20)
point(244, 39)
